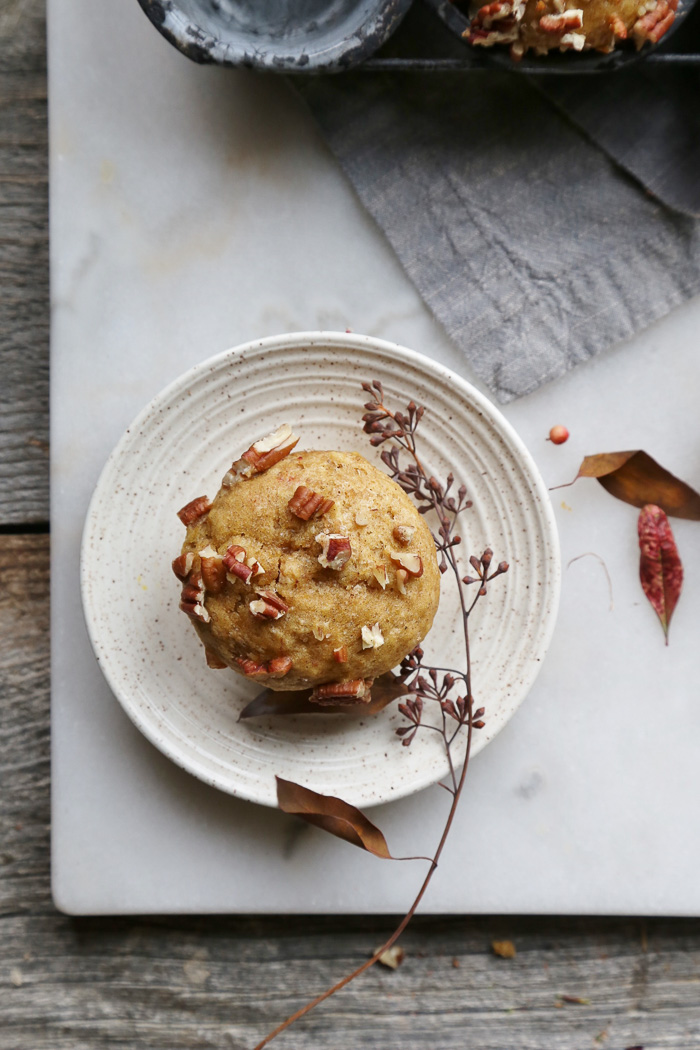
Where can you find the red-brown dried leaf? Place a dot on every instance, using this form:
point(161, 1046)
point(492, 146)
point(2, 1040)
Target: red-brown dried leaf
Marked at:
point(333, 815)
point(660, 568)
point(638, 479)
point(385, 689)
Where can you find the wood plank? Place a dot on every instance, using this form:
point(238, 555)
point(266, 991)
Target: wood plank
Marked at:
point(210, 982)
point(24, 271)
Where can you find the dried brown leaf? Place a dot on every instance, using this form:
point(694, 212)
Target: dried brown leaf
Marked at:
point(660, 568)
point(638, 479)
point(504, 949)
point(332, 814)
point(385, 689)
point(575, 1000)
point(392, 957)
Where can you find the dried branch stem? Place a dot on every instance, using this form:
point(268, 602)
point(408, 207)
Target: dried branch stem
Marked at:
point(401, 429)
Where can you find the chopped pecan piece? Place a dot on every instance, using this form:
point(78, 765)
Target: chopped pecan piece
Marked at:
point(336, 550)
point(320, 634)
point(572, 41)
point(372, 637)
point(268, 606)
point(234, 553)
point(563, 23)
point(262, 455)
point(306, 504)
point(213, 660)
point(182, 565)
point(194, 510)
point(355, 691)
point(403, 534)
point(412, 563)
point(192, 598)
point(618, 27)
point(239, 571)
point(255, 565)
point(654, 23)
point(496, 23)
point(234, 563)
point(251, 667)
point(213, 570)
point(341, 654)
point(401, 577)
point(362, 517)
point(279, 667)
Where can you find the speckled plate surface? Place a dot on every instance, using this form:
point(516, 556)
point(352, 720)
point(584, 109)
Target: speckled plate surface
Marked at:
point(181, 445)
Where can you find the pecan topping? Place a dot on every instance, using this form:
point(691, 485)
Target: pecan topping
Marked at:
point(213, 570)
point(403, 534)
point(239, 571)
point(251, 667)
point(341, 654)
point(372, 637)
point(255, 565)
point(381, 576)
point(307, 504)
point(401, 577)
point(319, 634)
point(362, 518)
point(412, 563)
point(279, 666)
point(276, 668)
point(234, 553)
point(496, 23)
point(562, 23)
point(355, 691)
point(262, 455)
point(618, 27)
point(213, 660)
point(182, 566)
point(654, 23)
point(194, 510)
point(268, 606)
point(336, 550)
point(572, 41)
point(192, 598)
point(234, 563)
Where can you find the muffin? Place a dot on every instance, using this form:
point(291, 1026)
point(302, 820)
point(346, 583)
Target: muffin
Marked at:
point(308, 570)
point(578, 25)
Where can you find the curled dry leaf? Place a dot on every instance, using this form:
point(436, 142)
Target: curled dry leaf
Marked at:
point(385, 689)
point(660, 568)
point(332, 815)
point(638, 479)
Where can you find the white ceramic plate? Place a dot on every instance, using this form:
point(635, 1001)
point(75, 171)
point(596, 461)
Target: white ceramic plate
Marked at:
point(181, 445)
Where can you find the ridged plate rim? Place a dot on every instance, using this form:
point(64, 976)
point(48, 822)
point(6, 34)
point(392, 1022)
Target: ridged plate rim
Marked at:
point(147, 721)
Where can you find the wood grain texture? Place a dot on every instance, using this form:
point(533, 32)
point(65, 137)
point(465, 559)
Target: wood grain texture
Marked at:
point(24, 268)
point(187, 983)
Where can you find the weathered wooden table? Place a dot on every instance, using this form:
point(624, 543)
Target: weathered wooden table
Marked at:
point(77, 983)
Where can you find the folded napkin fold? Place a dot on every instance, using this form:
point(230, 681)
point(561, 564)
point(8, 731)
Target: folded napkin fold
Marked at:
point(526, 239)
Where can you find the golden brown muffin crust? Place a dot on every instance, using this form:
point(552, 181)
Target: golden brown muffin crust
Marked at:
point(327, 608)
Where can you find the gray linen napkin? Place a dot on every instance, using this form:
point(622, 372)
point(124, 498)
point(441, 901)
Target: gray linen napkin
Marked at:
point(529, 244)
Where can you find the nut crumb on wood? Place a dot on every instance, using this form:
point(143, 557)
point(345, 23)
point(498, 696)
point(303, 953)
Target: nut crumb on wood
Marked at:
point(504, 949)
point(392, 957)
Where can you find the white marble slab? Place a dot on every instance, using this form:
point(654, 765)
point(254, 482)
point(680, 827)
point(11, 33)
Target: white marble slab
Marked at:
point(191, 209)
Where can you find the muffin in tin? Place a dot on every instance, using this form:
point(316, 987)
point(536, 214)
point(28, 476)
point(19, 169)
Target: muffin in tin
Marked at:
point(541, 26)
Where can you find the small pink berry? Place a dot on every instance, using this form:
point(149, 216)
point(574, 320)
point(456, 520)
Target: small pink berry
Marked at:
point(558, 435)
